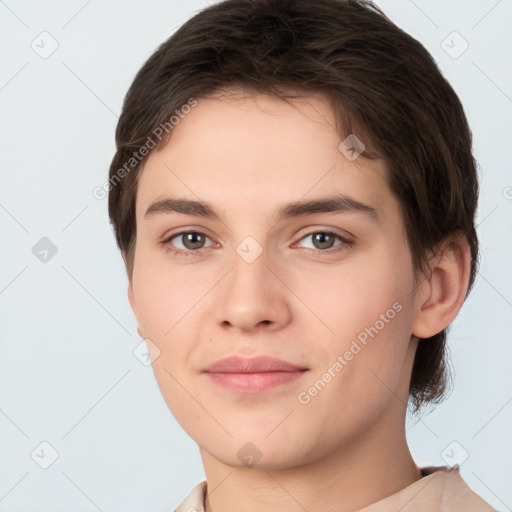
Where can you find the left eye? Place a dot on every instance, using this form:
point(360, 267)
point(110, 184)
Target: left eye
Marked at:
point(324, 239)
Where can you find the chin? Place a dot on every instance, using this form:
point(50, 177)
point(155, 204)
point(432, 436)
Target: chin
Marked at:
point(262, 453)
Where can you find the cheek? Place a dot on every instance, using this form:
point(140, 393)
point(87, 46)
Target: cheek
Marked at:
point(181, 395)
point(343, 302)
point(365, 314)
point(165, 295)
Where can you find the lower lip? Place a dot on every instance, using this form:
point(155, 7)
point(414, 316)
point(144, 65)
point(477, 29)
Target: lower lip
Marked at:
point(254, 382)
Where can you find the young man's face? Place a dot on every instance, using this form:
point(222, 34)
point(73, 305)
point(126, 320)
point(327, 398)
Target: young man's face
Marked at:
point(249, 284)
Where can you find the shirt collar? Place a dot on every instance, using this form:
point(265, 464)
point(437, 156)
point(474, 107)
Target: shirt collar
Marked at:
point(442, 489)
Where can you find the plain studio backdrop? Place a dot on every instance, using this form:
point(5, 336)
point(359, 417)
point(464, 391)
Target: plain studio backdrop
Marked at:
point(83, 425)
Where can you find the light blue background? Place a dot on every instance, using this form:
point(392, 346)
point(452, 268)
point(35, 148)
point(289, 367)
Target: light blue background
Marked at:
point(67, 372)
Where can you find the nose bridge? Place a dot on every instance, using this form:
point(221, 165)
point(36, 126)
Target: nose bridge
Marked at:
point(251, 295)
point(250, 275)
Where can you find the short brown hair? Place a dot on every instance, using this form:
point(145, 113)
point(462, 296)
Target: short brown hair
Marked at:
point(383, 86)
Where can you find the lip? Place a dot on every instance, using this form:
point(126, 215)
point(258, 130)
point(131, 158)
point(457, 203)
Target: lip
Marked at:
point(260, 364)
point(253, 374)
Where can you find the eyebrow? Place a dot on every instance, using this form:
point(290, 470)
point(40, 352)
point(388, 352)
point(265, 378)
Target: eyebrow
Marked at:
point(335, 204)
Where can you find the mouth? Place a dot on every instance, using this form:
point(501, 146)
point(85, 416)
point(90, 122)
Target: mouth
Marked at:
point(253, 374)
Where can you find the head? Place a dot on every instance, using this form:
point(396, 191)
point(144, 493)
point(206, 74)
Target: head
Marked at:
point(244, 108)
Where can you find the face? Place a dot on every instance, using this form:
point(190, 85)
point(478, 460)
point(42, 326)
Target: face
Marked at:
point(296, 252)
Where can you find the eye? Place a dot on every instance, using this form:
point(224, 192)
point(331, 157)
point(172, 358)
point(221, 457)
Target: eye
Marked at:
point(187, 242)
point(325, 240)
point(192, 243)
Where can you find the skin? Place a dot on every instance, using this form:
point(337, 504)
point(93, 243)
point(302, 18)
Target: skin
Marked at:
point(246, 155)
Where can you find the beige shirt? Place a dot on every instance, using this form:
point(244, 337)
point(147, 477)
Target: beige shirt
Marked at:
point(442, 489)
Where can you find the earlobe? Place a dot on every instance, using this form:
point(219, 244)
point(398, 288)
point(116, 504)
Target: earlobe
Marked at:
point(442, 294)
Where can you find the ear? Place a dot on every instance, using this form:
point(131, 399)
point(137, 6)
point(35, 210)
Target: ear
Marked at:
point(133, 304)
point(442, 293)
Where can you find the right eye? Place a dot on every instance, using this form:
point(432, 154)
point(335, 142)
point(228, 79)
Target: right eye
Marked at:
point(187, 243)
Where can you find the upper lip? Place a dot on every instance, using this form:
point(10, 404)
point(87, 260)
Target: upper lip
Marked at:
point(260, 364)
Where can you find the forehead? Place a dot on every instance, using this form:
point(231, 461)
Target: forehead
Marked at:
point(258, 150)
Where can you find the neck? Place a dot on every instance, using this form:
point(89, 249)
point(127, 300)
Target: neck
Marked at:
point(369, 468)
point(374, 463)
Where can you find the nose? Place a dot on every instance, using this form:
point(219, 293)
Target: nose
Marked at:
point(253, 297)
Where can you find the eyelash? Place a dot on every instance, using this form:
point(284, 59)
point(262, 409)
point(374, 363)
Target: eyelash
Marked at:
point(345, 245)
